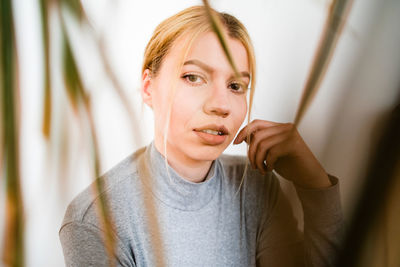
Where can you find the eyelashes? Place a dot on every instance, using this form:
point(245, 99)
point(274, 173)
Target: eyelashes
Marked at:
point(238, 87)
point(198, 80)
point(194, 79)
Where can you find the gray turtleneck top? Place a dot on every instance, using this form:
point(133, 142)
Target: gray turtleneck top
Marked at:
point(161, 219)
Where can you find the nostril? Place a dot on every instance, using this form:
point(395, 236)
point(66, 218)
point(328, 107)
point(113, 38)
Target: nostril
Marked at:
point(217, 103)
point(220, 112)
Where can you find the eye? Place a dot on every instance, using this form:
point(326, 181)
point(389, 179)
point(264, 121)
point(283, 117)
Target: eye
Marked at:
point(193, 79)
point(237, 86)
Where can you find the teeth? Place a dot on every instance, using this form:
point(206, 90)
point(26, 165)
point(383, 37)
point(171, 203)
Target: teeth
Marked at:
point(212, 132)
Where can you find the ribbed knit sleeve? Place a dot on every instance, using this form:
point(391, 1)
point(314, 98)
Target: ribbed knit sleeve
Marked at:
point(283, 244)
point(83, 246)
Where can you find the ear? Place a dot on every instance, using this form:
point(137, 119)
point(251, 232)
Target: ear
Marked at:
point(146, 88)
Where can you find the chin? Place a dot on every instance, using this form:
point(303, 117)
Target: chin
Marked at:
point(209, 153)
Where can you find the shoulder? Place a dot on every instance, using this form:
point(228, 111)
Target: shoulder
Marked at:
point(112, 184)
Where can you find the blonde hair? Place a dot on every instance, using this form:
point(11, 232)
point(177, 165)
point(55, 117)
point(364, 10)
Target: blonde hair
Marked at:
point(191, 22)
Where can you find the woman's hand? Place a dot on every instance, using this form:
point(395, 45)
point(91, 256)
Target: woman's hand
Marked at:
point(279, 146)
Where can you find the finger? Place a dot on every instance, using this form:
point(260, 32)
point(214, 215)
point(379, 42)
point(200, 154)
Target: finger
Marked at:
point(265, 146)
point(241, 136)
point(252, 127)
point(273, 156)
point(264, 134)
point(248, 134)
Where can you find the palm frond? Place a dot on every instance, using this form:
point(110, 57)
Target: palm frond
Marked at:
point(13, 251)
point(336, 19)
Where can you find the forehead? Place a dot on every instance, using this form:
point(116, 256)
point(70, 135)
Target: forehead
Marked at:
point(207, 48)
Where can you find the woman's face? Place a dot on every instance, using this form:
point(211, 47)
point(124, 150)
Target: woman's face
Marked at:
point(208, 103)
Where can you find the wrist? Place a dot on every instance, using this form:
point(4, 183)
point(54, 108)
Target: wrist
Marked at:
point(316, 182)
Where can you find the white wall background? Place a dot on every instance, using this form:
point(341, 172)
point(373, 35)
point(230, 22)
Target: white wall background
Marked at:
point(361, 85)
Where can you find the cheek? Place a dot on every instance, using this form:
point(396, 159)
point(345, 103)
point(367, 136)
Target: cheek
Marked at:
point(162, 97)
point(240, 111)
point(160, 110)
point(183, 110)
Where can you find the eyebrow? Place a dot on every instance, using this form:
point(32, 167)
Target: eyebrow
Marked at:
point(208, 68)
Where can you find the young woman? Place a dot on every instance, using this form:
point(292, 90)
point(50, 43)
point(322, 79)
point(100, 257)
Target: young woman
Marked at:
point(178, 201)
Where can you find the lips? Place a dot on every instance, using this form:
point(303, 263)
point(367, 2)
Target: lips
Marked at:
point(212, 134)
point(213, 129)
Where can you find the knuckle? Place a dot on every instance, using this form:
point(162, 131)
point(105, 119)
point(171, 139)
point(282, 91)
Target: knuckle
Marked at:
point(290, 125)
point(264, 145)
point(257, 137)
point(260, 163)
point(272, 153)
point(252, 149)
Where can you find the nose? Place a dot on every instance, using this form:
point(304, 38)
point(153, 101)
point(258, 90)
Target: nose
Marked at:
point(217, 102)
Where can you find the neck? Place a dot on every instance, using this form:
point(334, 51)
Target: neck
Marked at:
point(192, 170)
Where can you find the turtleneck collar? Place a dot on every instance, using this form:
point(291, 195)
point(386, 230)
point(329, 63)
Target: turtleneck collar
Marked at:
point(175, 191)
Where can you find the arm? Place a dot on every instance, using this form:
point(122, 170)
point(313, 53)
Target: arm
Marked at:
point(279, 243)
point(323, 223)
point(282, 244)
point(83, 246)
point(279, 147)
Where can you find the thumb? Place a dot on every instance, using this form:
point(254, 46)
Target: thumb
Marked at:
point(237, 140)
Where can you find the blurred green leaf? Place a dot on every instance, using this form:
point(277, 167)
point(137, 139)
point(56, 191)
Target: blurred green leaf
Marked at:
point(80, 99)
point(105, 215)
point(75, 6)
point(218, 29)
point(45, 8)
point(73, 83)
point(338, 13)
point(13, 251)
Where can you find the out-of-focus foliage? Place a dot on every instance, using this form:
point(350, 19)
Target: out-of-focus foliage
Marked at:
point(13, 253)
point(337, 16)
point(80, 100)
